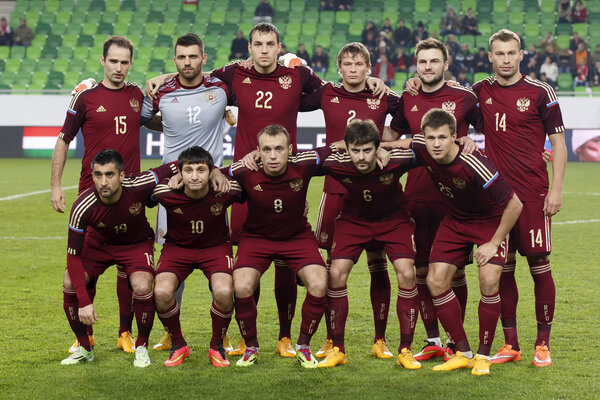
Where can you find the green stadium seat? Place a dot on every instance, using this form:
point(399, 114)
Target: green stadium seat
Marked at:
point(563, 29)
point(43, 28)
point(121, 28)
point(548, 6)
point(324, 41)
point(293, 28)
point(18, 52)
point(565, 82)
point(34, 52)
point(110, 16)
point(516, 18)
point(7, 78)
point(479, 76)
point(33, 17)
point(189, 17)
point(155, 16)
point(563, 41)
point(342, 17)
point(85, 40)
point(532, 32)
point(36, 5)
point(125, 16)
point(500, 6)
point(137, 77)
point(39, 77)
point(199, 28)
point(581, 91)
point(66, 5)
point(128, 5)
point(113, 5)
point(327, 17)
point(19, 88)
point(65, 53)
point(61, 65)
point(72, 78)
point(4, 52)
point(233, 17)
point(532, 5)
point(182, 28)
point(94, 17)
point(161, 52)
point(12, 65)
point(595, 90)
point(152, 28)
point(2, 64)
point(105, 28)
point(136, 29)
point(28, 66)
point(167, 28)
point(174, 7)
point(466, 4)
point(52, 5)
point(96, 5)
point(230, 30)
point(217, 17)
point(159, 5)
point(81, 53)
point(581, 29)
point(50, 52)
point(48, 17)
point(77, 65)
point(89, 28)
point(144, 52)
point(60, 29)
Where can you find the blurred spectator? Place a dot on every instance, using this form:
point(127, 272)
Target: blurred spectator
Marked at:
point(387, 29)
point(544, 78)
point(597, 73)
point(283, 51)
point(344, 5)
point(565, 61)
point(532, 75)
point(23, 34)
point(481, 62)
point(595, 56)
point(435, 35)
point(581, 78)
point(369, 28)
point(532, 66)
point(548, 53)
point(532, 52)
point(549, 40)
point(320, 61)
point(263, 12)
point(586, 144)
point(402, 35)
point(420, 33)
point(450, 23)
point(239, 47)
point(326, 5)
point(550, 68)
point(302, 53)
point(579, 13)
point(384, 70)
point(564, 11)
point(581, 54)
point(452, 45)
point(468, 25)
point(371, 43)
point(453, 67)
point(389, 43)
point(464, 58)
point(463, 79)
point(6, 34)
point(575, 40)
point(402, 62)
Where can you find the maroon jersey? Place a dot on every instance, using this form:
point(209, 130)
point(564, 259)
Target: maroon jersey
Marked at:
point(458, 100)
point(121, 223)
point(276, 203)
point(196, 223)
point(266, 99)
point(516, 121)
point(375, 195)
point(340, 107)
point(470, 184)
point(109, 119)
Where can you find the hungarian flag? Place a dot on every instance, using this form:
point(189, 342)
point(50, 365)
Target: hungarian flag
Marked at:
point(39, 141)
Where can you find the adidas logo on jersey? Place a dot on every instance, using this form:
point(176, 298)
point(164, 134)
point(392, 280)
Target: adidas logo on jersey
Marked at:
point(178, 211)
point(258, 188)
point(247, 80)
point(101, 109)
point(347, 180)
point(335, 100)
point(174, 100)
point(488, 101)
point(100, 225)
point(414, 108)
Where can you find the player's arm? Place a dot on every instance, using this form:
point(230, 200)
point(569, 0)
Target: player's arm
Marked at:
point(155, 124)
point(59, 158)
point(511, 213)
point(378, 86)
point(152, 85)
point(553, 201)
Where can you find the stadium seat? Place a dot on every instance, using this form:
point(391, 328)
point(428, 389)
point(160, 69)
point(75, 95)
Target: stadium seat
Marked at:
point(582, 91)
point(189, 17)
point(342, 17)
point(152, 28)
point(77, 65)
point(563, 41)
point(48, 17)
point(81, 53)
point(164, 41)
point(89, 28)
point(18, 52)
point(563, 29)
point(182, 28)
point(478, 76)
point(65, 53)
point(12, 65)
point(136, 29)
point(161, 52)
point(105, 28)
point(61, 65)
point(565, 82)
point(217, 17)
point(581, 29)
point(50, 52)
point(60, 29)
point(85, 40)
point(548, 6)
point(125, 16)
point(155, 16)
point(22, 78)
point(42, 28)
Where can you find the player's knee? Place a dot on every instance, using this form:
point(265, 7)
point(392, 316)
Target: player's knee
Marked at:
point(142, 286)
point(533, 260)
point(243, 288)
point(222, 295)
point(435, 283)
point(67, 284)
point(489, 284)
point(163, 295)
point(317, 286)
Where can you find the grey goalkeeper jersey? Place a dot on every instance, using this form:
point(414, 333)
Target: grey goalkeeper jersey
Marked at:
point(191, 116)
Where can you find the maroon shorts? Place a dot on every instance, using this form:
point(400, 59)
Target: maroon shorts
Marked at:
point(395, 235)
point(98, 257)
point(454, 241)
point(329, 209)
point(427, 217)
point(256, 252)
point(531, 234)
point(183, 261)
point(239, 213)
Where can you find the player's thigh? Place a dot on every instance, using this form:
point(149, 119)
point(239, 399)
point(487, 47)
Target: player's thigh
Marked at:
point(532, 231)
point(427, 218)
point(314, 277)
point(141, 282)
point(329, 209)
point(351, 237)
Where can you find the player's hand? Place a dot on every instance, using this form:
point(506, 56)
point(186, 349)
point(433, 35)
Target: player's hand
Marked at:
point(250, 159)
point(453, 83)
point(87, 315)
point(378, 87)
point(176, 182)
point(84, 84)
point(547, 155)
point(229, 117)
point(383, 157)
point(220, 184)
point(413, 85)
point(57, 199)
point(552, 203)
point(468, 143)
point(291, 60)
point(248, 63)
point(152, 85)
point(485, 252)
point(340, 146)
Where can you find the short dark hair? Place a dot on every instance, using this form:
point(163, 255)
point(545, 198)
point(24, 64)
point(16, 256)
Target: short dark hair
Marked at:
point(108, 156)
point(119, 41)
point(432, 43)
point(189, 39)
point(195, 155)
point(359, 132)
point(436, 118)
point(273, 130)
point(264, 28)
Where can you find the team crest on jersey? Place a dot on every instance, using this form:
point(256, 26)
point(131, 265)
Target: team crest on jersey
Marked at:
point(347, 180)
point(449, 106)
point(386, 179)
point(373, 103)
point(285, 81)
point(324, 237)
point(135, 105)
point(459, 182)
point(135, 208)
point(523, 104)
point(210, 96)
point(216, 209)
point(296, 184)
point(100, 225)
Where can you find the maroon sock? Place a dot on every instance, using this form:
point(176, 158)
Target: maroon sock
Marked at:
point(144, 316)
point(459, 287)
point(71, 307)
point(489, 312)
point(91, 291)
point(125, 297)
point(407, 308)
point(245, 314)
point(220, 323)
point(447, 309)
point(312, 312)
point(380, 296)
point(170, 320)
point(337, 301)
point(545, 298)
point(286, 292)
point(509, 297)
point(428, 315)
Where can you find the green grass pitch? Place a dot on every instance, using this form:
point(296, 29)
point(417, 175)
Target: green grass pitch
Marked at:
point(35, 336)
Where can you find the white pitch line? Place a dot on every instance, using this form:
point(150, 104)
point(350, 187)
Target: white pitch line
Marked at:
point(32, 238)
point(582, 221)
point(20, 196)
point(583, 193)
